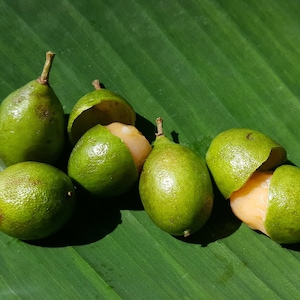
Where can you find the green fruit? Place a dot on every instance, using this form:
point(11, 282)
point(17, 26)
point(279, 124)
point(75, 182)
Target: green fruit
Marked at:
point(175, 187)
point(236, 153)
point(102, 164)
point(282, 221)
point(32, 122)
point(270, 202)
point(100, 106)
point(36, 200)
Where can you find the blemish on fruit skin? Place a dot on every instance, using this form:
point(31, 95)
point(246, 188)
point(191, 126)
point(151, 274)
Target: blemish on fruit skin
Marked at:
point(249, 136)
point(44, 113)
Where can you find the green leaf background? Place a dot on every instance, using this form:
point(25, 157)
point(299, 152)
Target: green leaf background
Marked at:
point(203, 66)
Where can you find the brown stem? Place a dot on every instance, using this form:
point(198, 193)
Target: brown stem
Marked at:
point(44, 78)
point(159, 126)
point(96, 84)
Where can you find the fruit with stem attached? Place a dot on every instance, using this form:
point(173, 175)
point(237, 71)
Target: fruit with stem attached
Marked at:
point(175, 187)
point(32, 125)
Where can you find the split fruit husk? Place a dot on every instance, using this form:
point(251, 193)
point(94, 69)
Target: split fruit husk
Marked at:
point(100, 106)
point(235, 154)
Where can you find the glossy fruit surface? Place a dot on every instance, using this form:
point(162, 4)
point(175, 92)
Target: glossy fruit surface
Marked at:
point(32, 124)
point(101, 163)
point(36, 200)
point(283, 214)
point(175, 188)
point(100, 106)
point(235, 154)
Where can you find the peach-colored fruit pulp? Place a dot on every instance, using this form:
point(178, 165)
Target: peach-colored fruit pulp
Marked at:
point(250, 202)
point(137, 144)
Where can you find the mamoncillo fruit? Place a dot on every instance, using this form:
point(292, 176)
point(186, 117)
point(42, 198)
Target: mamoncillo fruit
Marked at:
point(264, 194)
point(32, 125)
point(106, 161)
point(175, 187)
point(36, 200)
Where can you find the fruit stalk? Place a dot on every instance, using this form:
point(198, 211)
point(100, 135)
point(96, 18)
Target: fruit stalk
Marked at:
point(159, 126)
point(96, 84)
point(44, 78)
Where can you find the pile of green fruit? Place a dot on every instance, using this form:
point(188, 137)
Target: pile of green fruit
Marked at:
point(109, 156)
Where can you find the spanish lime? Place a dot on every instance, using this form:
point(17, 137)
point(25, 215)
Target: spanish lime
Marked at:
point(36, 200)
point(102, 164)
point(175, 187)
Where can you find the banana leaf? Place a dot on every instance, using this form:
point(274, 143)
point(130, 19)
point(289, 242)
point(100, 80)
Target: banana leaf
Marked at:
point(203, 66)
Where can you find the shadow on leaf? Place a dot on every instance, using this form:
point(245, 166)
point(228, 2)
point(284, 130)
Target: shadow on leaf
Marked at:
point(221, 224)
point(92, 220)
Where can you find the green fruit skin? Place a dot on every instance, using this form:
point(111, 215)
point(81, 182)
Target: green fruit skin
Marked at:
point(36, 200)
point(235, 154)
point(102, 164)
point(175, 188)
point(32, 125)
point(89, 113)
point(282, 221)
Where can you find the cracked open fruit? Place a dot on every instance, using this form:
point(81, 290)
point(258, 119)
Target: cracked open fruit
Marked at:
point(235, 154)
point(175, 187)
point(248, 167)
point(270, 202)
point(100, 106)
point(32, 124)
point(36, 200)
point(106, 160)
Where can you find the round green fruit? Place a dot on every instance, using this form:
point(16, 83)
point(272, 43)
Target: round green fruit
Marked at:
point(36, 200)
point(102, 164)
point(175, 187)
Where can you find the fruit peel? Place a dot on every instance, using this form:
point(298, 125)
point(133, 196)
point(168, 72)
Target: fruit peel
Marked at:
point(282, 221)
point(235, 154)
point(100, 106)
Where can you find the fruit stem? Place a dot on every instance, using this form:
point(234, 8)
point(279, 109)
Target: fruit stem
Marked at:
point(44, 78)
point(159, 126)
point(96, 84)
point(186, 233)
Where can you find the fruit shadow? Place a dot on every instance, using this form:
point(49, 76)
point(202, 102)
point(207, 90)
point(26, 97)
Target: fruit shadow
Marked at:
point(92, 220)
point(221, 223)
